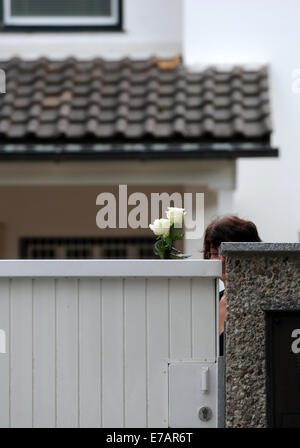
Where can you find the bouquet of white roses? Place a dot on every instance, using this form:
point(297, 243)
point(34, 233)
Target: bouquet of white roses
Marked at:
point(167, 231)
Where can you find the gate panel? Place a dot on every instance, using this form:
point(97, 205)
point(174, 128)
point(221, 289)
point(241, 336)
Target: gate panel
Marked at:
point(89, 342)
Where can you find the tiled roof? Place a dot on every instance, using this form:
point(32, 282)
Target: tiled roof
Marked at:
point(150, 100)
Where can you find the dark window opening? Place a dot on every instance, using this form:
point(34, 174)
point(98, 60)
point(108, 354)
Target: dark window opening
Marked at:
point(85, 248)
point(61, 15)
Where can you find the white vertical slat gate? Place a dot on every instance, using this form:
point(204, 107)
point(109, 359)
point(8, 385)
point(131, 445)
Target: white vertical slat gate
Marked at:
point(88, 343)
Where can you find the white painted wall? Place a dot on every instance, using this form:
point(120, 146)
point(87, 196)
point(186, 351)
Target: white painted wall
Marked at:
point(150, 27)
point(247, 32)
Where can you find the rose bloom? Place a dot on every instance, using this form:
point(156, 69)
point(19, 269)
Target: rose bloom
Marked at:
point(175, 215)
point(161, 227)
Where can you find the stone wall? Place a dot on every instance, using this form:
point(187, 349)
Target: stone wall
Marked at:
point(258, 276)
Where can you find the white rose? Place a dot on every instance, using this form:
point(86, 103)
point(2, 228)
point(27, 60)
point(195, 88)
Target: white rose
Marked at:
point(175, 215)
point(161, 227)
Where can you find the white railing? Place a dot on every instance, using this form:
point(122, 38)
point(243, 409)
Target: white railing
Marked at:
point(90, 343)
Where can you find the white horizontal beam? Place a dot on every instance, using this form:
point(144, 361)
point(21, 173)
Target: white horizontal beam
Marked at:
point(110, 268)
point(216, 174)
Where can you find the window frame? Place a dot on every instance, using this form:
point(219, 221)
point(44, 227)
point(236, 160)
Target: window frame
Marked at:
point(113, 23)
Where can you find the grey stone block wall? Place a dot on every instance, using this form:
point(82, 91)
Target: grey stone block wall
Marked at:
point(258, 276)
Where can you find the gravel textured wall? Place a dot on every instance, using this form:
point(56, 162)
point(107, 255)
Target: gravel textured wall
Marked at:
point(258, 276)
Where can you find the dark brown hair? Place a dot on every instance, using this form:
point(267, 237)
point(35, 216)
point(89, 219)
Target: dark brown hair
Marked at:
point(230, 229)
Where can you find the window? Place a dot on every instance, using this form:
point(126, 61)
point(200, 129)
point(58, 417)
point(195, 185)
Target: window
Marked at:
point(81, 248)
point(87, 14)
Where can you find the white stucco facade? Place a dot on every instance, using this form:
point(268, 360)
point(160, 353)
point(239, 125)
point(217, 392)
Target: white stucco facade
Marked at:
point(149, 28)
point(258, 32)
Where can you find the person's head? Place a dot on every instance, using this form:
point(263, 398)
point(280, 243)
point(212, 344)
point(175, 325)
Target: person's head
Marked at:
point(227, 229)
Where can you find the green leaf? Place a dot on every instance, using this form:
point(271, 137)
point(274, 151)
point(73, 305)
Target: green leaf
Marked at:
point(168, 240)
point(162, 249)
point(175, 233)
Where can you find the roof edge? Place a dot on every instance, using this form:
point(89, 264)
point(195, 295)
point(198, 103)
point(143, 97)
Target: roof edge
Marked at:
point(65, 152)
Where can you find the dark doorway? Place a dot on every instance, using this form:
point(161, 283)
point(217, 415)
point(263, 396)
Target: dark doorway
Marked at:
point(283, 368)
